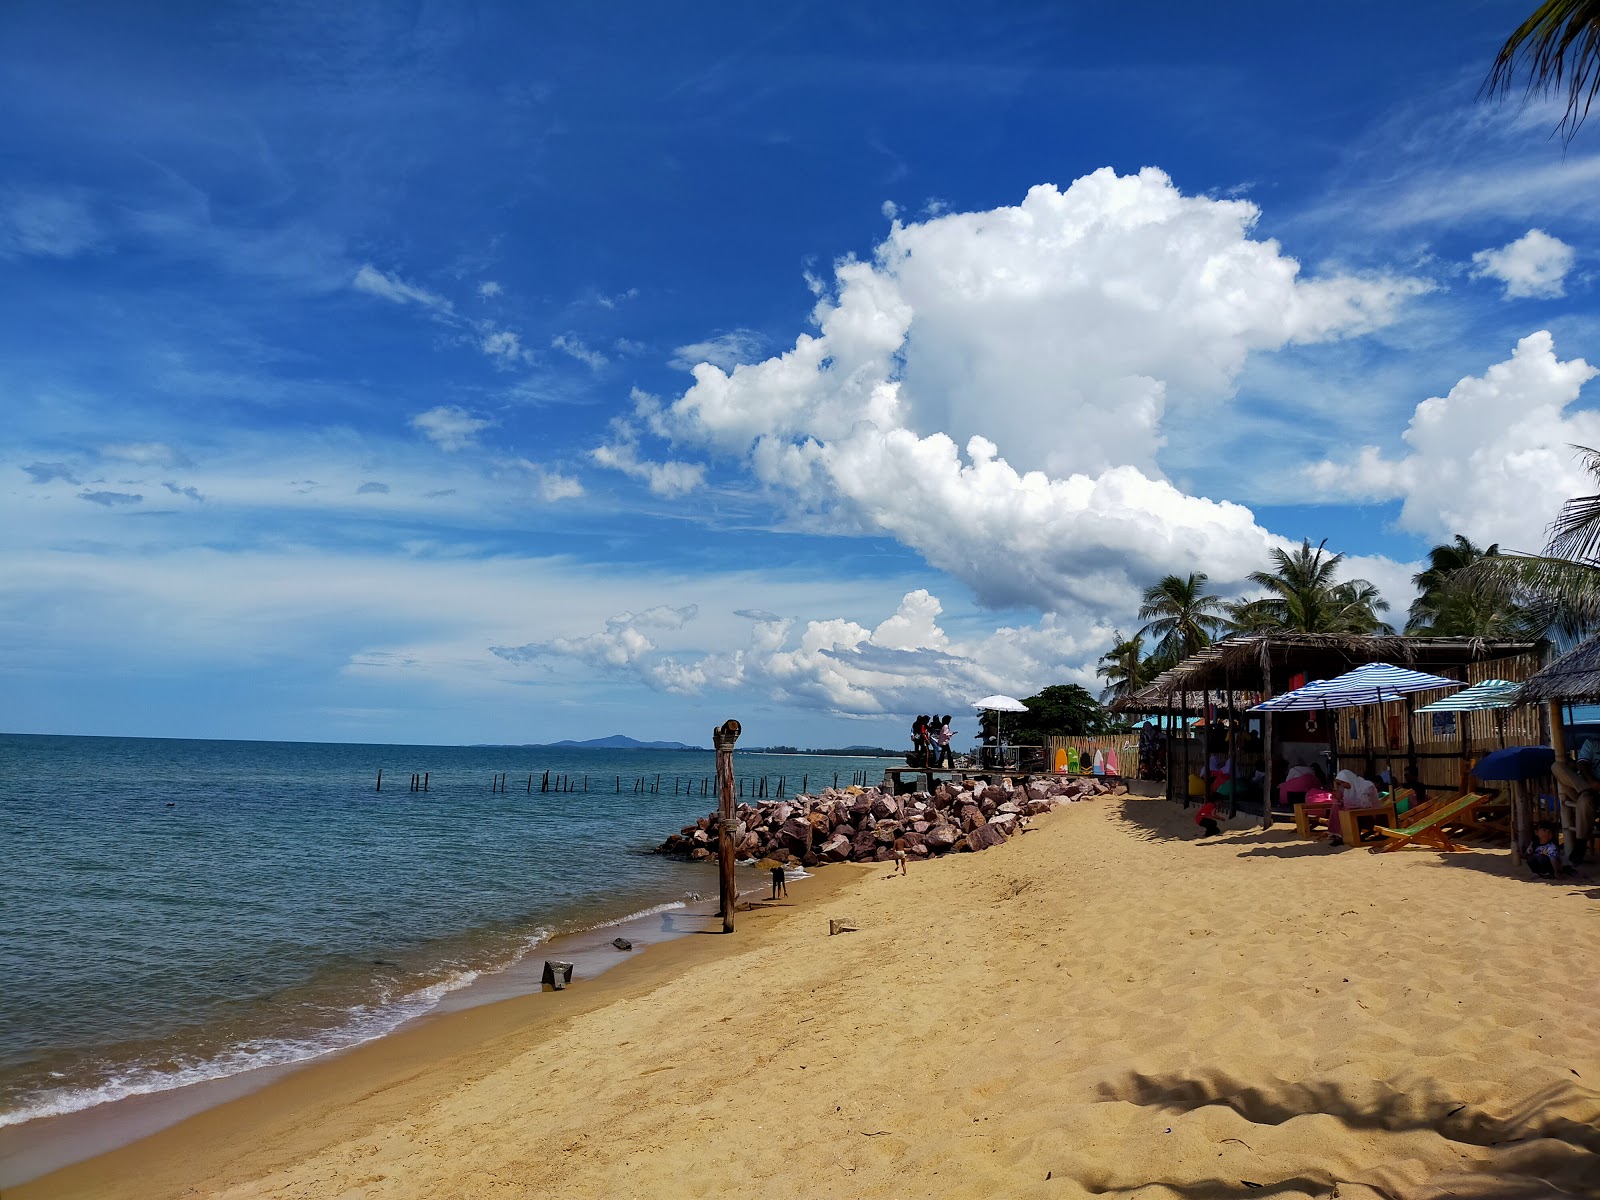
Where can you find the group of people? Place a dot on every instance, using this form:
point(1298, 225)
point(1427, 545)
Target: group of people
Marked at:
point(930, 743)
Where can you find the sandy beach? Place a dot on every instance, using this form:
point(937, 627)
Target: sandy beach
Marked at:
point(1102, 1006)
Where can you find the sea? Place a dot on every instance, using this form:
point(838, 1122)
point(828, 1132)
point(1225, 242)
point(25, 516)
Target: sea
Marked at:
point(174, 911)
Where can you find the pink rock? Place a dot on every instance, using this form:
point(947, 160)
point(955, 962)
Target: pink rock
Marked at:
point(942, 837)
point(985, 836)
point(835, 849)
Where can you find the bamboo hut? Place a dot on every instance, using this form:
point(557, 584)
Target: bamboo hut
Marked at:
point(1574, 678)
point(1226, 678)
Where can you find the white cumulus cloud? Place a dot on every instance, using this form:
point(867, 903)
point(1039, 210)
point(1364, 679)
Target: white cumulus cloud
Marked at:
point(1491, 460)
point(1536, 264)
point(906, 662)
point(1047, 341)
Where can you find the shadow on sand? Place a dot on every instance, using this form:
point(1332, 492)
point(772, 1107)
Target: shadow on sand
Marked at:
point(1528, 1151)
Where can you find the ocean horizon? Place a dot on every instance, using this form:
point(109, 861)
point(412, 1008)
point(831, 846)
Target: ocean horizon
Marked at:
point(185, 910)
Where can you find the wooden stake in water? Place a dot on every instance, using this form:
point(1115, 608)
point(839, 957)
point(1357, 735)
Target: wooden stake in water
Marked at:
point(723, 738)
point(380, 779)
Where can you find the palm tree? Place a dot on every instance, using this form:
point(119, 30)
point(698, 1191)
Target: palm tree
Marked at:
point(1304, 595)
point(1558, 590)
point(1447, 605)
point(1560, 43)
point(1124, 668)
point(1181, 616)
point(1251, 616)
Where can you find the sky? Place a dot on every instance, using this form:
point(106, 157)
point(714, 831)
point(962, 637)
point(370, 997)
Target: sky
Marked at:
point(498, 372)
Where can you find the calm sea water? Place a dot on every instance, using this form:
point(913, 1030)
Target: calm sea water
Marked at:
point(182, 910)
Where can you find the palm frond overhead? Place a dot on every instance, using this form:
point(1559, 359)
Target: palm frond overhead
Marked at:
point(1560, 46)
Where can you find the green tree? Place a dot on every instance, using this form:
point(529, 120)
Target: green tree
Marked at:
point(1063, 710)
point(1560, 45)
point(1448, 606)
point(1124, 668)
point(1305, 595)
point(1181, 615)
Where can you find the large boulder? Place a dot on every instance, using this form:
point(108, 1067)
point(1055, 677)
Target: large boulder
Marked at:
point(886, 808)
point(985, 836)
point(835, 849)
point(941, 837)
point(971, 816)
point(795, 834)
point(781, 813)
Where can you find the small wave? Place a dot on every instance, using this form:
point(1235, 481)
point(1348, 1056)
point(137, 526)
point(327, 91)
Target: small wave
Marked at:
point(363, 1023)
point(641, 914)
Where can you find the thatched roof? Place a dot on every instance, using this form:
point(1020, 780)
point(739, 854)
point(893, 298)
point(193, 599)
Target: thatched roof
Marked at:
point(1263, 663)
point(1571, 679)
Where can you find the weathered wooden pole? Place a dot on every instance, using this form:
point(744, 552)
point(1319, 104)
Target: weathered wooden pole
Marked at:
point(425, 775)
point(380, 779)
point(723, 738)
point(1267, 751)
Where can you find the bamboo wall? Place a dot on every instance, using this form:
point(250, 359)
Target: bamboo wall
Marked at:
point(1124, 745)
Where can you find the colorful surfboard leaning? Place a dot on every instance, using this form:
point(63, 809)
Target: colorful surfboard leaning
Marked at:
point(1061, 762)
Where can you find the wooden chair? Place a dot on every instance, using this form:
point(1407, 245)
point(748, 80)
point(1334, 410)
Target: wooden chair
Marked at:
point(1352, 821)
point(1427, 829)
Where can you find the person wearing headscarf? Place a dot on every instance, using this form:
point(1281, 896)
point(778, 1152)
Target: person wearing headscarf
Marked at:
point(1349, 791)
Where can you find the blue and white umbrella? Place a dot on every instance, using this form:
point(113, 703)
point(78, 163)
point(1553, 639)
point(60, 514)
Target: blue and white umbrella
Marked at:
point(1491, 693)
point(1370, 683)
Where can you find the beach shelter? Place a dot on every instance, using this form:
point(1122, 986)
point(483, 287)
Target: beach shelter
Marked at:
point(1000, 705)
point(1370, 683)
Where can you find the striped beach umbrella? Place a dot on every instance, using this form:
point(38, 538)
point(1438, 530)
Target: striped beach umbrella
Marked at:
point(1370, 683)
point(1491, 693)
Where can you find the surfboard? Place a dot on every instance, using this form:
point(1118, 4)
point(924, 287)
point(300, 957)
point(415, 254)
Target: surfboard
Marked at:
point(1073, 766)
point(1099, 763)
point(1061, 762)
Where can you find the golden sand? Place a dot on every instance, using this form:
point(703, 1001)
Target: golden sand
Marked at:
point(1101, 1007)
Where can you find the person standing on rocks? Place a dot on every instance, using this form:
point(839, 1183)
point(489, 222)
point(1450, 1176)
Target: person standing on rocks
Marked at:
point(941, 738)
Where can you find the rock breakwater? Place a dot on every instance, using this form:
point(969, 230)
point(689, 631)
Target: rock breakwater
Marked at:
point(862, 824)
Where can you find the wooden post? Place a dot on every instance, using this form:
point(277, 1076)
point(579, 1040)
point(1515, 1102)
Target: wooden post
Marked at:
point(530, 785)
point(1268, 751)
point(380, 779)
point(723, 738)
point(425, 775)
point(1558, 732)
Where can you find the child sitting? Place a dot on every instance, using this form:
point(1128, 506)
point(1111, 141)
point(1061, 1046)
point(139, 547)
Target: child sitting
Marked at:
point(1206, 817)
point(1544, 855)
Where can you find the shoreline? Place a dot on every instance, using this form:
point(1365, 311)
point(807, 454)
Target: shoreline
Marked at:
point(82, 1153)
point(1105, 1006)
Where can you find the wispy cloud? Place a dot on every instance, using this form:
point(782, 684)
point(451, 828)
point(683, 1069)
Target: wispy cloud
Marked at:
point(49, 224)
point(391, 287)
point(725, 350)
point(574, 347)
point(373, 488)
point(43, 472)
point(111, 499)
point(450, 427)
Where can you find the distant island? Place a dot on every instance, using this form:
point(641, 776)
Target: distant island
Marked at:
point(617, 741)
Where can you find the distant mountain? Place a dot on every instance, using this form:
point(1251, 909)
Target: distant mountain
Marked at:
point(619, 741)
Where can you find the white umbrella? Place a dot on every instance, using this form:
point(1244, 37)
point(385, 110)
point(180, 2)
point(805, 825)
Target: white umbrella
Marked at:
point(999, 704)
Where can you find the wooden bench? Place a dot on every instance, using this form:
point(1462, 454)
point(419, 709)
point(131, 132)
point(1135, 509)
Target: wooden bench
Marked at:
point(1354, 821)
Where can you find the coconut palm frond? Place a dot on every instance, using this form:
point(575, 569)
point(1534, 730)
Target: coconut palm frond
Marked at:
point(1575, 533)
point(1560, 45)
point(1557, 594)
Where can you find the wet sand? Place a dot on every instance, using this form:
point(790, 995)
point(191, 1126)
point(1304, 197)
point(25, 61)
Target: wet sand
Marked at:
point(1102, 1006)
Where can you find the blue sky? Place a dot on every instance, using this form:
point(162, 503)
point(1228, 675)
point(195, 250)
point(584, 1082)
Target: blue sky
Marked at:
point(447, 372)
